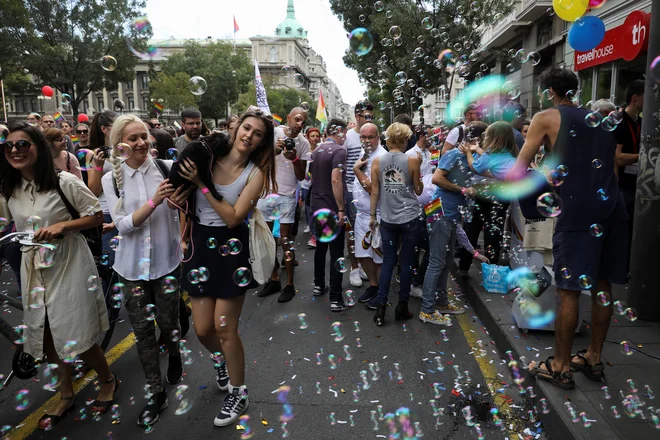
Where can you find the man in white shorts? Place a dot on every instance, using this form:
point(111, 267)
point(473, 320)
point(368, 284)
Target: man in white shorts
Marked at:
point(371, 259)
point(291, 150)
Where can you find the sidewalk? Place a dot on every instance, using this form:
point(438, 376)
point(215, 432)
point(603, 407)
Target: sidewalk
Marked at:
point(494, 310)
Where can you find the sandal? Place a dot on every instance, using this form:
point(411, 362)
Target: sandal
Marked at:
point(48, 421)
point(563, 379)
point(594, 372)
point(101, 407)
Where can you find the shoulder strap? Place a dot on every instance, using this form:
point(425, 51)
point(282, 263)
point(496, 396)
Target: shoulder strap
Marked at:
point(69, 207)
point(460, 134)
point(68, 161)
point(114, 185)
point(163, 168)
point(253, 172)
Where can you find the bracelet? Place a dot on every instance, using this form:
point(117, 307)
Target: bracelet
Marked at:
point(341, 210)
point(205, 190)
point(373, 215)
point(98, 168)
point(151, 203)
point(463, 190)
point(295, 160)
point(476, 254)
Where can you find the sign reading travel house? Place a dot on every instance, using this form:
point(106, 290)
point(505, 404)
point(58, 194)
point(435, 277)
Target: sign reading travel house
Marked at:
point(625, 41)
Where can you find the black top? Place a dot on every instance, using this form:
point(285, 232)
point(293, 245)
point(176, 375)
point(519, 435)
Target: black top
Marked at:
point(628, 134)
point(577, 147)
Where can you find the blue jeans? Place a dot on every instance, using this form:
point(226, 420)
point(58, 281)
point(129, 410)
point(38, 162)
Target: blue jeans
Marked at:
point(441, 250)
point(392, 234)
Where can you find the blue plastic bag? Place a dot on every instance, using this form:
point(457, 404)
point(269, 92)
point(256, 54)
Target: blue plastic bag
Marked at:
point(495, 278)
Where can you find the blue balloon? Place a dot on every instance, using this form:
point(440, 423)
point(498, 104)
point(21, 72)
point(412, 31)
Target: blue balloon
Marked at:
point(586, 33)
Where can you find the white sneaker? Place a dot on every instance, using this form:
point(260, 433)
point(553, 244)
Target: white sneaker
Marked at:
point(307, 230)
point(355, 279)
point(236, 403)
point(363, 274)
point(415, 291)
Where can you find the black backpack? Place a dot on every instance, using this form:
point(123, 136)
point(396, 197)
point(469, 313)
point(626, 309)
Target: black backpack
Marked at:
point(161, 167)
point(92, 235)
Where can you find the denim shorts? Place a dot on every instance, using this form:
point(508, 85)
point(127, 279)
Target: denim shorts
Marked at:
point(286, 205)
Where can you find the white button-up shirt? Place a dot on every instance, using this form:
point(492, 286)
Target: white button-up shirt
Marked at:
point(149, 251)
point(425, 167)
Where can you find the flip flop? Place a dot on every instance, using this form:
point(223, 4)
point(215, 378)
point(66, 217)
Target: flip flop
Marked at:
point(594, 372)
point(563, 380)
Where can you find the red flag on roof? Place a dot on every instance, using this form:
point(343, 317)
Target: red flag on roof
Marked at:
point(235, 25)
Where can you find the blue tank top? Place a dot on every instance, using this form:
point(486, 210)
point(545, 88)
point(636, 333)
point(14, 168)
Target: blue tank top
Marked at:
point(590, 193)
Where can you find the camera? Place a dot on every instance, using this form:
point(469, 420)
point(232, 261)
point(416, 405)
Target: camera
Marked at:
point(106, 151)
point(289, 144)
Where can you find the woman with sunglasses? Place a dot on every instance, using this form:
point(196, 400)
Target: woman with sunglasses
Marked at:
point(62, 159)
point(147, 259)
point(57, 281)
point(82, 131)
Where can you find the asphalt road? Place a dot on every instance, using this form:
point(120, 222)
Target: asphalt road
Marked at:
point(322, 400)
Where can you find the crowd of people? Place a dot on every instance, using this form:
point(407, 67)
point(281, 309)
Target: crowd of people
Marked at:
point(399, 202)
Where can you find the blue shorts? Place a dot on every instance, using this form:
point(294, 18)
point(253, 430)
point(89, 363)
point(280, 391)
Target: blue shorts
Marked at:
point(602, 258)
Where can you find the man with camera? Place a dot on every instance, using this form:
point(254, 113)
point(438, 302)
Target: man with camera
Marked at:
point(292, 151)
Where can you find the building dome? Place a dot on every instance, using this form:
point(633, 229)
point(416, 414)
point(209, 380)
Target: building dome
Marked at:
point(290, 27)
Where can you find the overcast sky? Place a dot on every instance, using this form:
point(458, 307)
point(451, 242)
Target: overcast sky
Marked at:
point(203, 18)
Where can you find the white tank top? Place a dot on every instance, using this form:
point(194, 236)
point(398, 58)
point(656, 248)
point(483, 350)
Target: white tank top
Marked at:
point(230, 193)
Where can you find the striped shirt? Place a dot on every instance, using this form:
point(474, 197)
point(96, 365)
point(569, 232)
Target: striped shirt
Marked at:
point(353, 153)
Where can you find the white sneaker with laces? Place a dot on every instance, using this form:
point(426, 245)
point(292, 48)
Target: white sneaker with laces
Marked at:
point(307, 230)
point(355, 279)
point(415, 291)
point(236, 403)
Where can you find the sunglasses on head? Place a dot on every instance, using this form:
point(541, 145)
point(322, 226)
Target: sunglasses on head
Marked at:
point(82, 131)
point(21, 146)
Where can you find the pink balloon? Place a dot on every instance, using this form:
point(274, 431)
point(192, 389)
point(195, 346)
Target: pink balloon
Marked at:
point(47, 91)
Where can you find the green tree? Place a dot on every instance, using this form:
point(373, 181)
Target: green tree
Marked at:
point(172, 91)
point(280, 101)
point(227, 74)
point(61, 43)
point(408, 38)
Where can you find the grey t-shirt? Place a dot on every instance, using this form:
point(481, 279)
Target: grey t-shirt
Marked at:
point(180, 143)
point(398, 204)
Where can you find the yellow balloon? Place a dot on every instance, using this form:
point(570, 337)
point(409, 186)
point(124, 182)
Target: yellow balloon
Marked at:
point(570, 10)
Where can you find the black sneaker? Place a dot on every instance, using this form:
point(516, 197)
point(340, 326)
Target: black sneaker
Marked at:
point(287, 294)
point(221, 376)
point(236, 403)
point(318, 290)
point(338, 306)
point(174, 370)
point(370, 293)
point(269, 288)
point(151, 413)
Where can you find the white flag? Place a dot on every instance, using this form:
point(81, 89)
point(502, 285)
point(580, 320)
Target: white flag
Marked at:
point(262, 100)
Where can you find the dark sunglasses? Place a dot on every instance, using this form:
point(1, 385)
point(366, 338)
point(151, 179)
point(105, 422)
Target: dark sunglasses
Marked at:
point(368, 117)
point(82, 131)
point(22, 146)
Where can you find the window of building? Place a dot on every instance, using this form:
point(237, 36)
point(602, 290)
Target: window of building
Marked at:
point(131, 103)
point(145, 82)
point(287, 31)
point(19, 106)
point(85, 105)
point(100, 103)
point(604, 82)
point(145, 103)
point(129, 85)
point(544, 32)
point(628, 72)
point(586, 84)
point(300, 31)
point(272, 57)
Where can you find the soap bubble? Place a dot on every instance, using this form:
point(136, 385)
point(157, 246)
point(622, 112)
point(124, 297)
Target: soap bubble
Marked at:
point(92, 283)
point(655, 68)
point(108, 63)
point(272, 206)
point(34, 222)
point(22, 400)
point(299, 80)
point(197, 85)
point(85, 161)
point(37, 297)
point(3, 224)
point(361, 41)
point(303, 321)
point(597, 163)
point(172, 154)
point(193, 276)
point(608, 124)
point(140, 30)
point(65, 99)
point(21, 334)
point(242, 276)
point(427, 23)
point(50, 377)
point(115, 242)
point(565, 273)
point(68, 352)
point(288, 71)
point(349, 298)
point(593, 119)
point(115, 412)
point(149, 312)
point(325, 225)
point(211, 243)
point(400, 78)
point(182, 397)
point(379, 6)
point(534, 58)
point(603, 194)
point(204, 274)
point(235, 246)
point(562, 170)
point(555, 178)
point(223, 250)
point(630, 314)
point(626, 348)
point(341, 265)
point(596, 230)
point(395, 32)
point(123, 150)
point(549, 205)
point(619, 307)
point(603, 299)
point(585, 282)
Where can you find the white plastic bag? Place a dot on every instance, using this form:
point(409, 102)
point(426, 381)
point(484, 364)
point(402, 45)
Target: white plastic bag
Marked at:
point(262, 248)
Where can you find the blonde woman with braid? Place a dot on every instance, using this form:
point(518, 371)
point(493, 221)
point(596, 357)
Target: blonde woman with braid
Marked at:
point(146, 260)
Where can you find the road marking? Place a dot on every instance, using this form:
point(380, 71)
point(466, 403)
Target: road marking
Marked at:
point(488, 370)
point(31, 423)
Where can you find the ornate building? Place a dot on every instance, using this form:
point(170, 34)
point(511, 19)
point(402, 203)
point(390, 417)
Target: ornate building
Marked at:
point(287, 47)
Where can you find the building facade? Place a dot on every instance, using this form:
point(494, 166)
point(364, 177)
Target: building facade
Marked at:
point(285, 56)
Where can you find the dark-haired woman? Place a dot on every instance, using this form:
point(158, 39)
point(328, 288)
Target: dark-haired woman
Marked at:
point(163, 141)
point(241, 175)
point(55, 281)
point(62, 159)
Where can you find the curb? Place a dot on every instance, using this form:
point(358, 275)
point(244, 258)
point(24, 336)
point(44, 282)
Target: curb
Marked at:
point(558, 422)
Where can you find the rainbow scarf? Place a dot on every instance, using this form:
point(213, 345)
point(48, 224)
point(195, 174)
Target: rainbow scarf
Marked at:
point(158, 107)
point(434, 210)
point(58, 117)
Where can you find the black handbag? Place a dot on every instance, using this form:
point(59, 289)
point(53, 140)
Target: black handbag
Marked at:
point(528, 202)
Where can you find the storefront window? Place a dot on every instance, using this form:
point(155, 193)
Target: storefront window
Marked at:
point(628, 72)
point(586, 84)
point(604, 82)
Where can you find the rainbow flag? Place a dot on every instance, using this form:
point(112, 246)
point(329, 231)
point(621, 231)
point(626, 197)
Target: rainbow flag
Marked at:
point(277, 119)
point(435, 157)
point(158, 107)
point(321, 114)
point(74, 138)
point(58, 117)
point(434, 210)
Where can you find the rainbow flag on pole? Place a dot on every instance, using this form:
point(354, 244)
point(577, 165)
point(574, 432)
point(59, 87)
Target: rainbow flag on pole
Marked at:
point(434, 210)
point(74, 138)
point(321, 114)
point(58, 117)
point(158, 107)
point(277, 119)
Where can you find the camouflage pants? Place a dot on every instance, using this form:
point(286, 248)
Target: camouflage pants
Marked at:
point(167, 317)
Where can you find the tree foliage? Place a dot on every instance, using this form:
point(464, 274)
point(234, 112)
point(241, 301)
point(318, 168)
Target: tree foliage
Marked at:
point(408, 37)
point(172, 91)
point(61, 44)
point(227, 74)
